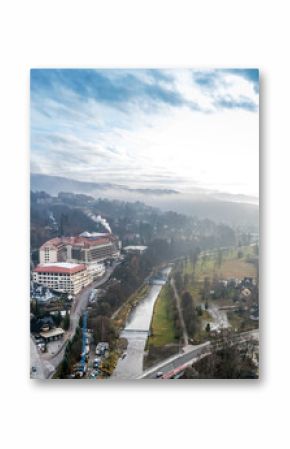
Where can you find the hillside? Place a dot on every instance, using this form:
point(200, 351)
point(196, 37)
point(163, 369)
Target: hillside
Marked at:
point(202, 205)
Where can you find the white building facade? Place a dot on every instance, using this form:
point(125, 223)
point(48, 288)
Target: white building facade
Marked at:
point(80, 249)
point(62, 277)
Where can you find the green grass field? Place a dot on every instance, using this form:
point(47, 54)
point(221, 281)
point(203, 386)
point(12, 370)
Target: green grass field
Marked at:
point(230, 266)
point(162, 324)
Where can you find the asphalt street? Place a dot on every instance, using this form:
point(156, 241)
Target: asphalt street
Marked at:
point(190, 355)
point(176, 361)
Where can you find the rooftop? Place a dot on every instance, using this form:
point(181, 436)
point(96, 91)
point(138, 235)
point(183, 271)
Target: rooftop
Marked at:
point(135, 248)
point(93, 234)
point(52, 333)
point(59, 267)
point(81, 240)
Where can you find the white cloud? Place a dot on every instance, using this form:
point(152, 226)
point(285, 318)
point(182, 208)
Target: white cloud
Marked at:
point(217, 149)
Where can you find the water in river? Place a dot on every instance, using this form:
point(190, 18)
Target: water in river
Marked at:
point(136, 332)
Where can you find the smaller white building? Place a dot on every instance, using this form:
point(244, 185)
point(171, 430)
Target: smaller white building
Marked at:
point(96, 269)
point(42, 294)
point(135, 249)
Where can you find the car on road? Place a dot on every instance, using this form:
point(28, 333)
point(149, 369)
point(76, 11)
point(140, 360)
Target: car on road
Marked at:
point(33, 369)
point(94, 374)
point(159, 374)
point(41, 347)
point(79, 369)
point(124, 355)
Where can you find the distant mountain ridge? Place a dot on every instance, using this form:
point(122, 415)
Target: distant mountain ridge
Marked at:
point(224, 209)
point(55, 184)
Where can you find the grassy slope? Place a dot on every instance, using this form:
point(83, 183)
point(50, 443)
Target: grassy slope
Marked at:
point(162, 323)
point(231, 266)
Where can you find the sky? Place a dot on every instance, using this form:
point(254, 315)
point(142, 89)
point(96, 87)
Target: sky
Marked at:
point(181, 129)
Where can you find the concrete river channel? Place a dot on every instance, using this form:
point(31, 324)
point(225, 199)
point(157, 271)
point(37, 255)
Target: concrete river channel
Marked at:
point(136, 332)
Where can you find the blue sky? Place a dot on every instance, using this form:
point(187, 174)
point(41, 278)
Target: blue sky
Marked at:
point(182, 128)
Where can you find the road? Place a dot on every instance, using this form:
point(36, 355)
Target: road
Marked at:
point(174, 362)
point(192, 354)
point(47, 364)
point(41, 368)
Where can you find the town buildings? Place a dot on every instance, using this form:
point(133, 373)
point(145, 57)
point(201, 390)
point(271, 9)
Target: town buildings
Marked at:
point(62, 276)
point(67, 264)
point(136, 249)
point(85, 248)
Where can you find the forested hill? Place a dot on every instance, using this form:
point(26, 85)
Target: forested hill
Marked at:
point(234, 210)
point(134, 223)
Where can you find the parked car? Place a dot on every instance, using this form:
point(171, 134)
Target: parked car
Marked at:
point(79, 368)
point(102, 347)
point(94, 374)
point(97, 362)
point(41, 347)
point(38, 339)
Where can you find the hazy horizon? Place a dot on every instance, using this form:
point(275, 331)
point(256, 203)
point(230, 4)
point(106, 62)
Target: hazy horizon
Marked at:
point(134, 193)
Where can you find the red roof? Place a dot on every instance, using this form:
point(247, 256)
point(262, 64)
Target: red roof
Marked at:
point(57, 241)
point(58, 269)
point(78, 241)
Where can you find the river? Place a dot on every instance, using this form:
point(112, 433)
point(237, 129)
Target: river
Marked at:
point(136, 332)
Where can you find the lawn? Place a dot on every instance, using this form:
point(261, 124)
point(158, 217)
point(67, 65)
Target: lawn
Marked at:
point(227, 266)
point(188, 268)
point(230, 266)
point(162, 324)
point(236, 268)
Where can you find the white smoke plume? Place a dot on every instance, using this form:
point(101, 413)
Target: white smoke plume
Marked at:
point(101, 220)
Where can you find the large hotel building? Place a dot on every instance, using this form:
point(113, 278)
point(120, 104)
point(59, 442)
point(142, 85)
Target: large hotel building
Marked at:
point(62, 276)
point(68, 264)
point(85, 248)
